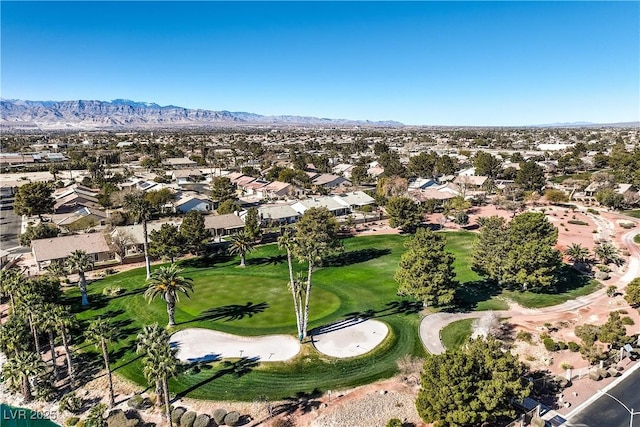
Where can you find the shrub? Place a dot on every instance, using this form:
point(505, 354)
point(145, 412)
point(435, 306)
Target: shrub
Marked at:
point(601, 275)
point(394, 422)
point(232, 418)
point(565, 365)
point(593, 211)
point(218, 415)
point(135, 402)
point(573, 346)
point(604, 268)
point(595, 375)
point(524, 336)
point(577, 222)
point(72, 421)
point(626, 320)
point(195, 369)
point(187, 419)
point(202, 420)
point(111, 291)
point(561, 345)
point(623, 311)
point(118, 418)
point(71, 402)
point(177, 413)
point(627, 225)
point(549, 344)
point(611, 291)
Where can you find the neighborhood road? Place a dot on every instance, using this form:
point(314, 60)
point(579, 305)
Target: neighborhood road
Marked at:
point(10, 224)
point(606, 411)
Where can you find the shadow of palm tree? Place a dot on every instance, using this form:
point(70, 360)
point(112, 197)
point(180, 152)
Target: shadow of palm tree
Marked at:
point(354, 257)
point(231, 312)
point(237, 368)
point(391, 308)
point(302, 401)
point(207, 261)
point(273, 260)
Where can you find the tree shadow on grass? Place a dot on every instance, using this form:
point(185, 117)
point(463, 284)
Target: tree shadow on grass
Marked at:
point(237, 368)
point(272, 260)
point(355, 317)
point(354, 257)
point(568, 280)
point(469, 294)
point(207, 261)
point(231, 312)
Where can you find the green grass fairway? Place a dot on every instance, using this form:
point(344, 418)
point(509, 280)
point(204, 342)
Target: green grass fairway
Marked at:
point(634, 213)
point(456, 333)
point(256, 301)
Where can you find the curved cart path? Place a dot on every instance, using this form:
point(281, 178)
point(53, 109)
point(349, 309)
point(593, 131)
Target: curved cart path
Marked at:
point(432, 324)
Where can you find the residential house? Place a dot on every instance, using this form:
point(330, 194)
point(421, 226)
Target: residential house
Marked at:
point(188, 203)
point(328, 180)
point(336, 208)
point(343, 169)
point(279, 214)
point(277, 190)
point(83, 219)
point(179, 163)
point(74, 197)
point(354, 199)
point(223, 225)
point(132, 237)
point(60, 248)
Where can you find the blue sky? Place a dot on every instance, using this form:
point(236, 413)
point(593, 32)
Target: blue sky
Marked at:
point(428, 63)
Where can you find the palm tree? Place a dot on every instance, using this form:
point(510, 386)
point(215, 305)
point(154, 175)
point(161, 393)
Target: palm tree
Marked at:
point(167, 282)
point(80, 261)
point(46, 320)
point(57, 269)
point(19, 369)
point(578, 254)
point(100, 331)
point(152, 341)
point(31, 304)
point(65, 322)
point(11, 280)
point(14, 335)
point(287, 241)
point(241, 244)
point(140, 209)
point(168, 365)
point(607, 253)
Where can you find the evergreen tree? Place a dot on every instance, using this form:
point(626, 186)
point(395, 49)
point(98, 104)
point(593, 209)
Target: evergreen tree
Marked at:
point(34, 198)
point(530, 176)
point(403, 213)
point(252, 224)
point(632, 292)
point(193, 232)
point(472, 385)
point(167, 242)
point(426, 270)
point(223, 189)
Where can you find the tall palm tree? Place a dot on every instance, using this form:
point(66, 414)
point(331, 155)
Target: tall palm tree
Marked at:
point(19, 369)
point(11, 279)
point(47, 322)
point(166, 282)
point(577, 253)
point(65, 322)
point(607, 253)
point(100, 332)
point(13, 335)
point(80, 261)
point(57, 269)
point(168, 365)
point(152, 341)
point(287, 241)
point(31, 304)
point(140, 209)
point(241, 244)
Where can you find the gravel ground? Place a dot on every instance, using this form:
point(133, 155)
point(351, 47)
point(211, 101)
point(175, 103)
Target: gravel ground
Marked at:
point(372, 410)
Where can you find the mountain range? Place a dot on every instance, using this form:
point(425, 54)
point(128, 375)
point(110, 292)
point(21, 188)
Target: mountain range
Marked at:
point(124, 113)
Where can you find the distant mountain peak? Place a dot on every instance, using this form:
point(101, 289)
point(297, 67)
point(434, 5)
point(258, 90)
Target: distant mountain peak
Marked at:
point(125, 113)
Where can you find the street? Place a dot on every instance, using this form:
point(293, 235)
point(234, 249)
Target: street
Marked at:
point(607, 412)
point(9, 229)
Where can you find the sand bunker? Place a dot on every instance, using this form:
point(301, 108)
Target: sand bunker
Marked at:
point(350, 338)
point(196, 344)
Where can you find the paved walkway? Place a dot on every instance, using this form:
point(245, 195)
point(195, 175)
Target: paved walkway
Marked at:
point(432, 324)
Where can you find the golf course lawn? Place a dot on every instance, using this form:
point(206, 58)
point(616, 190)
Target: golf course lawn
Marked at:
point(456, 333)
point(256, 301)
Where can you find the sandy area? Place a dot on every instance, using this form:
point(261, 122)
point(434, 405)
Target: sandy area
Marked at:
point(350, 339)
point(196, 344)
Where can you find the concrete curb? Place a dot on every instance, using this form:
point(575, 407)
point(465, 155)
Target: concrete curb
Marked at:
point(596, 396)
